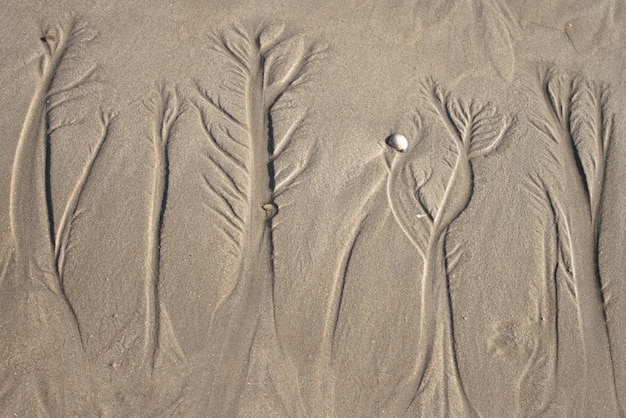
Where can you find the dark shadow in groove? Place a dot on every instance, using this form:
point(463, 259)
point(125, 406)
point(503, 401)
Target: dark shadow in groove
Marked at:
point(272, 185)
point(579, 166)
point(165, 193)
point(271, 142)
point(270, 149)
point(157, 296)
point(48, 186)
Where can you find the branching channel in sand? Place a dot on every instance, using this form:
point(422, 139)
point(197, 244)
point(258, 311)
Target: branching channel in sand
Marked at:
point(433, 385)
point(243, 151)
point(571, 115)
point(40, 250)
point(166, 109)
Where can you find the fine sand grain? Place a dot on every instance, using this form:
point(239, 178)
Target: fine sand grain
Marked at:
point(313, 209)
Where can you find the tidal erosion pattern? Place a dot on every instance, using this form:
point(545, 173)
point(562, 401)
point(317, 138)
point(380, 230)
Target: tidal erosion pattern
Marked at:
point(571, 113)
point(245, 151)
point(424, 211)
point(41, 246)
point(253, 164)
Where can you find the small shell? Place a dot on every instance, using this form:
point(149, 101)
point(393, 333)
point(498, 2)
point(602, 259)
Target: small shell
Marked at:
point(269, 207)
point(398, 142)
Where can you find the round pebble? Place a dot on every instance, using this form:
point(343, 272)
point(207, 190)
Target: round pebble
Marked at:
point(269, 207)
point(398, 142)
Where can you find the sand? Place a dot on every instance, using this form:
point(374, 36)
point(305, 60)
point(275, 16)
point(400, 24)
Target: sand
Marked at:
point(203, 216)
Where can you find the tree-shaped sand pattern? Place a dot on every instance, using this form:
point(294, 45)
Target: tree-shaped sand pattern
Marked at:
point(244, 153)
point(425, 212)
point(576, 127)
point(41, 244)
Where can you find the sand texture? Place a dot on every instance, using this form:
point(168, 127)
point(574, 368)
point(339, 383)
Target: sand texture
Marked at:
point(204, 210)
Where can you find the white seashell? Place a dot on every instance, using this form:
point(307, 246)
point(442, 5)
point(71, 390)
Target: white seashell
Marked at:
point(398, 142)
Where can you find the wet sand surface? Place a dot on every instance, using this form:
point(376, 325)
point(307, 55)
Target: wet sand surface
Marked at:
point(313, 209)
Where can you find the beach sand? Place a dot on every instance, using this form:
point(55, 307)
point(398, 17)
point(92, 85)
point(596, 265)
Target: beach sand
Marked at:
point(202, 213)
